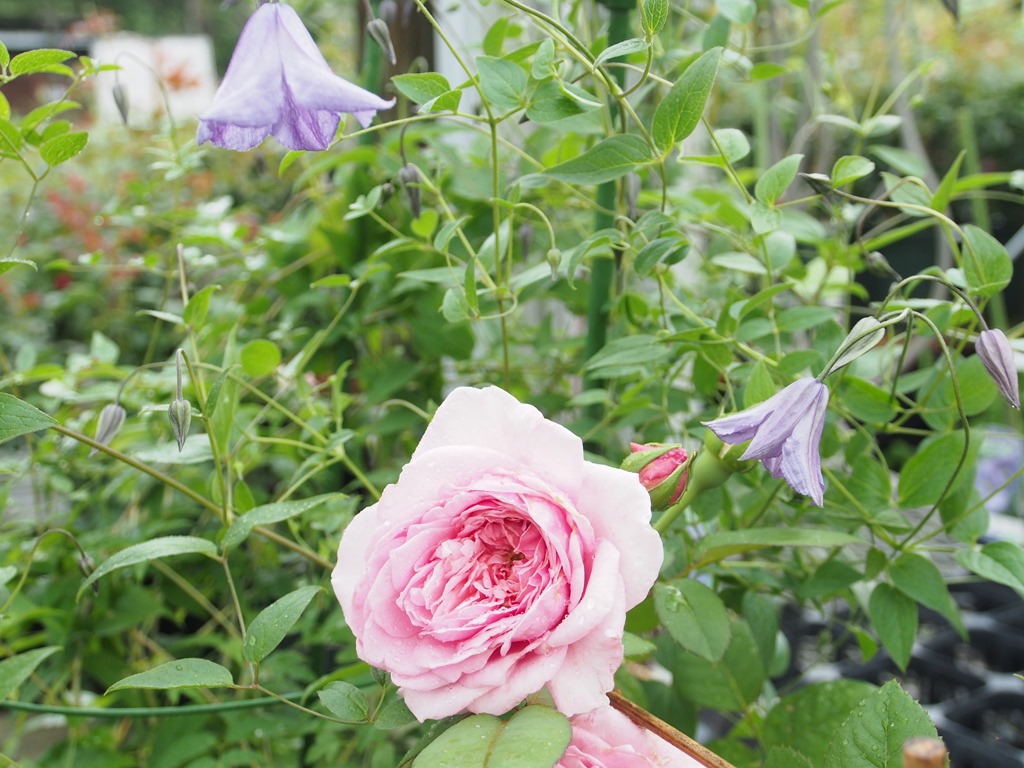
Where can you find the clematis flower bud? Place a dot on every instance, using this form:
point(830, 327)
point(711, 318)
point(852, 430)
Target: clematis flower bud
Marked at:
point(180, 415)
point(663, 470)
point(120, 95)
point(409, 178)
point(279, 83)
point(996, 353)
point(110, 421)
point(378, 31)
point(554, 259)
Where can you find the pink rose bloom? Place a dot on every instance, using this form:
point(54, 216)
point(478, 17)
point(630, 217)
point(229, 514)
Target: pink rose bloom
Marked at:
point(606, 738)
point(499, 563)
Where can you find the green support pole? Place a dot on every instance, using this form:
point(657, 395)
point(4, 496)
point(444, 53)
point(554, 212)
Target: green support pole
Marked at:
point(603, 271)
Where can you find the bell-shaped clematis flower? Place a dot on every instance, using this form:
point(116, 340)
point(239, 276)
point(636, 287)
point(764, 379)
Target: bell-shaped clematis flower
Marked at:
point(996, 353)
point(784, 433)
point(279, 83)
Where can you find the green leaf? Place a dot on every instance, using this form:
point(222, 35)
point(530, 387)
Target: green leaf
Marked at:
point(1000, 561)
point(694, 616)
point(183, 673)
point(266, 514)
point(260, 357)
point(633, 353)
point(784, 757)
point(866, 401)
point(732, 683)
point(19, 418)
point(165, 546)
point(543, 65)
point(214, 394)
point(737, 11)
point(345, 701)
point(832, 577)
point(394, 715)
point(680, 111)
point(5, 56)
point(721, 544)
point(924, 476)
point(16, 670)
point(623, 48)
point(62, 148)
point(873, 736)
point(41, 60)
point(653, 15)
point(446, 102)
point(198, 306)
point(503, 82)
point(986, 263)
point(943, 195)
point(607, 160)
point(421, 88)
point(849, 168)
point(917, 577)
point(776, 180)
point(534, 737)
point(271, 625)
point(894, 617)
point(549, 103)
point(807, 720)
point(5, 107)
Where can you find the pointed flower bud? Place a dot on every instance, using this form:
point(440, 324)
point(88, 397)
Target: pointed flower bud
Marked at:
point(996, 353)
point(409, 178)
point(554, 259)
point(120, 95)
point(180, 415)
point(110, 421)
point(378, 31)
point(663, 471)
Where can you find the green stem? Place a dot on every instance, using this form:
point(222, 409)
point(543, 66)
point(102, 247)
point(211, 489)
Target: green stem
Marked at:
point(170, 711)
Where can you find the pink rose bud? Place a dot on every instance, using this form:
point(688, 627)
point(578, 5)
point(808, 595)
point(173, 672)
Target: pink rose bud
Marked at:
point(996, 353)
point(663, 471)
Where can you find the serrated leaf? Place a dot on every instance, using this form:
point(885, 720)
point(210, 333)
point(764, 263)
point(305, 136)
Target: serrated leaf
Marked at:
point(154, 549)
point(653, 15)
point(807, 720)
point(986, 263)
point(607, 160)
point(198, 306)
point(695, 616)
point(183, 673)
point(394, 715)
point(259, 357)
point(776, 180)
point(732, 683)
point(19, 418)
point(680, 111)
point(345, 701)
point(267, 514)
point(271, 625)
point(999, 561)
point(62, 148)
point(894, 617)
point(874, 734)
point(40, 60)
point(917, 577)
point(421, 87)
point(785, 757)
point(503, 82)
point(16, 670)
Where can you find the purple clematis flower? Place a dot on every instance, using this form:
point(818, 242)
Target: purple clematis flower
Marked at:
point(996, 353)
point(784, 433)
point(279, 83)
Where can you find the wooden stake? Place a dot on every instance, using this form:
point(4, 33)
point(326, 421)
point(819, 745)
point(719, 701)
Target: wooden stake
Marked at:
point(924, 753)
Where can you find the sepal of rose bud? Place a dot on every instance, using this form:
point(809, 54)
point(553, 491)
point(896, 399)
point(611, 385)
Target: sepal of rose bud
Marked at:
point(180, 415)
point(997, 355)
point(663, 471)
point(110, 421)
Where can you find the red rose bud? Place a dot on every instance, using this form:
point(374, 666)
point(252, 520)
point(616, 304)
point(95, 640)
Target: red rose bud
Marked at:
point(663, 471)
